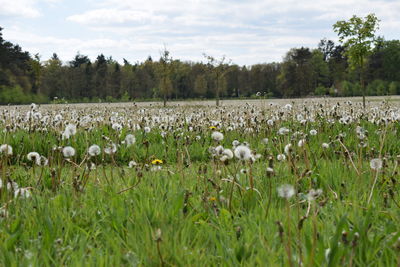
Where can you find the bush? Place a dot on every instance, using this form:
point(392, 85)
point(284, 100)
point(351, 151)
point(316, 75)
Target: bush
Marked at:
point(377, 87)
point(321, 90)
point(16, 95)
point(394, 88)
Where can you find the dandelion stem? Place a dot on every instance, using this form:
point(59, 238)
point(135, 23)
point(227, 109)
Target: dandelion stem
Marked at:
point(373, 186)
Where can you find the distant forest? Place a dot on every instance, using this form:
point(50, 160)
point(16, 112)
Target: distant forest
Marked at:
point(303, 72)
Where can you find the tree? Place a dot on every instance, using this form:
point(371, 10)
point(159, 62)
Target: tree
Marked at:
point(319, 69)
point(358, 37)
point(51, 84)
point(166, 87)
point(200, 85)
point(218, 68)
point(36, 73)
point(297, 77)
point(326, 47)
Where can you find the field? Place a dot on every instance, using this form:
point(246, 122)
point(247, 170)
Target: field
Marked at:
point(310, 182)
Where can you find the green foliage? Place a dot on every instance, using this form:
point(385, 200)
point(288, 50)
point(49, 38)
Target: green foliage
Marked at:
point(125, 97)
point(358, 36)
point(200, 85)
point(16, 95)
point(377, 87)
point(394, 88)
point(321, 90)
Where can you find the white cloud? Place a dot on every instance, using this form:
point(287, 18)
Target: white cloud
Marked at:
point(247, 32)
point(105, 16)
point(24, 8)
point(19, 8)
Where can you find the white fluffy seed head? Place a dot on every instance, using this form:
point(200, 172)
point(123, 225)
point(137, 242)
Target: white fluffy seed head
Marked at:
point(111, 149)
point(376, 164)
point(227, 153)
point(325, 145)
point(44, 161)
point(116, 126)
point(286, 191)
point(70, 129)
point(217, 136)
point(34, 156)
point(242, 152)
point(6, 150)
point(132, 164)
point(94, 150)
point(281, 157)
point(283, 131)
point(301, 142)
point(22, 193)
point(288, 148)
point(68, 151)
point(130, 140)
point(235, 143)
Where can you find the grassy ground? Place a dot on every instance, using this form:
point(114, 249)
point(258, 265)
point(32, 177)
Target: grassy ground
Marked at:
point(194, 209)
point(100, 225)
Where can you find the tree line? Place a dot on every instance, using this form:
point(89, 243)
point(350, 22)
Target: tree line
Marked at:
point(324, 70)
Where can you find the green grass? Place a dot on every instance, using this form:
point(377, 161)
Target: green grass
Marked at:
point(101, 227)
point(111, 215)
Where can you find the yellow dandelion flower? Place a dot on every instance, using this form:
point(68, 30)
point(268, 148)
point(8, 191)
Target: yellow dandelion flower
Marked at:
point(212, 199)
point(156, 162)
point(213, 127)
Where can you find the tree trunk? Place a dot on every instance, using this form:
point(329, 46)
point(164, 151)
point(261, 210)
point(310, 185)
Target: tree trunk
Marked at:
point(165, 100)
point(217, 92)
point(362, 82)
point(363, 91)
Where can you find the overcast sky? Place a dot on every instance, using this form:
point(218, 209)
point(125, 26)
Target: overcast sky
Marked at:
point(247, 32)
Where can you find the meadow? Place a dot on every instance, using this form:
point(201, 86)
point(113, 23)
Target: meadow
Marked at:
point(306, 182)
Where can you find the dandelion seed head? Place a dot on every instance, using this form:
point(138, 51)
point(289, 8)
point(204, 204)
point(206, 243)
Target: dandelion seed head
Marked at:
point(116, 127)
point(70, 129)
point(301, 142)
point(34, 156)
point(325, 145)
point(110, 149)
point(288, 149)
point(94, 150)
point(286, 191)
point(283, 131)
point(242, 153)
point(376, 164)
point(217, 136)
point(132, 164)
point(6, 150)
point(281, 157)
point(228, 153)
point(130, 140)
point(235, 143)
point(313, 194)
point(288, 107)
point(68, 151)
point(22, 193)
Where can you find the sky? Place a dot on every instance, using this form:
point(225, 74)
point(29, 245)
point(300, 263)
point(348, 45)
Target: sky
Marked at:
point(246, 32)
